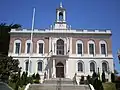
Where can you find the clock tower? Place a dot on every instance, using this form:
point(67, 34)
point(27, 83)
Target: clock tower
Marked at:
point(60, 22)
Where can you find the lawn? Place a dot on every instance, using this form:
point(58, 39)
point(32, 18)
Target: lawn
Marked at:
point(109, 86)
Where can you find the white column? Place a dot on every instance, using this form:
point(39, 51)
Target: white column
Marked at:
point(66, 68)
point(54, 69)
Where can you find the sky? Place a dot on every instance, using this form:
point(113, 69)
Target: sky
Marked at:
point(81, 14)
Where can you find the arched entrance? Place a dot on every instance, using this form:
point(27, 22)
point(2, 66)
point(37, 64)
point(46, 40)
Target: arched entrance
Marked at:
point(60, 70)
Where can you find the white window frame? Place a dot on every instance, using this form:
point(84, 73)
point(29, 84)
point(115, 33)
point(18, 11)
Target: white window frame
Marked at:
point(37, 65)
point(17, 41)
point(83, 66)
point(95, 65)
point(91, 42)
point(106, 64)
point(40, 41)
point(103, 42)
point(79, 42)
point(28, 41)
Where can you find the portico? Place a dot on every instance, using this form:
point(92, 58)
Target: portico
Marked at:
point(59, 67)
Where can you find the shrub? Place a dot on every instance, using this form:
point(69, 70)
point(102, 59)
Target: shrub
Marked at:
point(94, 75)
point(97, 84)
point(112, 77)
point(103, 77)
point(33, 76)
point(30, 80)
point(89, 80)
point(82, 80)
point(36, 81)
point(37, 76)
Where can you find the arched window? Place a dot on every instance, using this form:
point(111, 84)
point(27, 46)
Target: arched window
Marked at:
point(60, 16)
point(92, 66)
point(28, 46)
point(79, 47)
point(103, 47)
point(60, 47)
point(17, 46)
point(40, 47)
point(80, 67)
point(105, 66)
point(91, 47)
point(40, 66)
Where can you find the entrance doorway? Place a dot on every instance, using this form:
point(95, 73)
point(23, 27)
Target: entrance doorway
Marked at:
point(60, 70)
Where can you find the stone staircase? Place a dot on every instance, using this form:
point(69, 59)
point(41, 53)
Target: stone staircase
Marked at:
point(58, 84)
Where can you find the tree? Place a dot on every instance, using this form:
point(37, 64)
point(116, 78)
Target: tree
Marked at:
point(103, 77)
point(8, 66)
point(112, 77)
point(5, 37)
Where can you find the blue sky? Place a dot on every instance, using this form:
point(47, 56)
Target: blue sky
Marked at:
point(85, 14)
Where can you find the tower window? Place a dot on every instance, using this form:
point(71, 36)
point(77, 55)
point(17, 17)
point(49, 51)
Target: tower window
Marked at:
point(60, 16)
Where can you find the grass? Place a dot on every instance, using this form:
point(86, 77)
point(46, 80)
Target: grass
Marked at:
point(12, 85)
point(109, 86)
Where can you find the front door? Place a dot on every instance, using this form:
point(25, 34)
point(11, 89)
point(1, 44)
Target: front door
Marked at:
point(60, 70)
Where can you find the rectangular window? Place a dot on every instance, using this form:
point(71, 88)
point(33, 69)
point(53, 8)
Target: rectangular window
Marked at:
point(79, 48)
point(28, 47)
point(40, 48)
point(103, 51)
point(17, 49)
point(91, 48)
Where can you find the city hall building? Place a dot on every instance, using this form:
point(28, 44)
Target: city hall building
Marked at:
point(61, 51)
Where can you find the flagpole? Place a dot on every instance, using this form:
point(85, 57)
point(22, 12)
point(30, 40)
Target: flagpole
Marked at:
point(31, 37)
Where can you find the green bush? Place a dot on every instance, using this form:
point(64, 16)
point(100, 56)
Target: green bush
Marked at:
point(37, 81)
point(97, 84)
point(37, 76)
point(30, 80)
point(94, 75)
point(89, 80)
point(82, 80)
point(109, 86)
point(33, 76)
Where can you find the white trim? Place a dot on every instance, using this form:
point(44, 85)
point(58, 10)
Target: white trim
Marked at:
point(37, 65)
point(102, 42)
point(94, 64)
point(40, 41)
point(17, 41)
point(104, 61)
point(79, 42)
point(91, 42)
point(83, 66)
